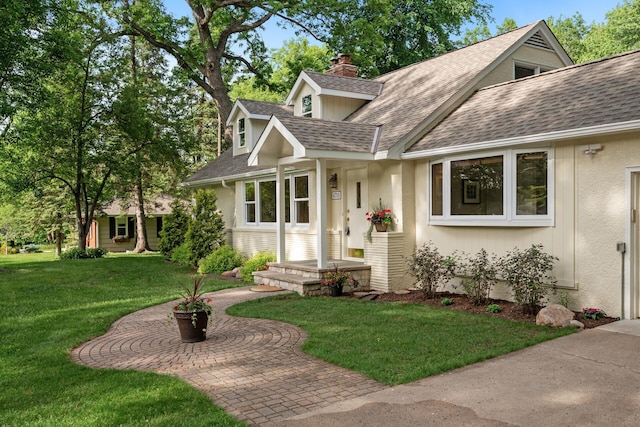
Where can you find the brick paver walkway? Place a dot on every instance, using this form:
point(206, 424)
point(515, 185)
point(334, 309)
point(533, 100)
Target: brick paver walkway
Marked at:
point(253, 368)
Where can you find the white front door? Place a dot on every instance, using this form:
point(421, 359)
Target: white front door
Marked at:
point(356, 224)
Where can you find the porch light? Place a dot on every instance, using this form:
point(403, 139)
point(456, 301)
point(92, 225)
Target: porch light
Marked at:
point(590, 150)
point(333, 181)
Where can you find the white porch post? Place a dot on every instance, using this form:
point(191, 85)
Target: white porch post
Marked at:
point(321, 211)
point(280, 214)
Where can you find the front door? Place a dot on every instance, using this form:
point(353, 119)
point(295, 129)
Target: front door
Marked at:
point(355, 219)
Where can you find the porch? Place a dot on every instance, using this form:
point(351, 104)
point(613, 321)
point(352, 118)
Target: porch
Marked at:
point(305, 277)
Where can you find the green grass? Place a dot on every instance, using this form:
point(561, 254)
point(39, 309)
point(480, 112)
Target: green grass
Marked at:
point(396, 343)
point(50, 306)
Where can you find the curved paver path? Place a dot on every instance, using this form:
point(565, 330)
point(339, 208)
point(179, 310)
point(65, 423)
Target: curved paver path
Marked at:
point(253, 368)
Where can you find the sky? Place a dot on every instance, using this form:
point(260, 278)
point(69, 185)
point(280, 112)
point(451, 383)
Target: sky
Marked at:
point(524, 12)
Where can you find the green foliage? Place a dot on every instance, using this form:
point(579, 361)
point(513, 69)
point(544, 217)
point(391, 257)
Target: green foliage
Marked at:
point(31, 247)
point(480, 277)
point(256, 263)
point(182, 254)
point(10, 250)
point(206, 230)
point(493, 308)
point(564, 299)
point(446, 301)
point(174, 228)
point(527, 273)
point(431, 269)
point(225, 258)
point(77, 253)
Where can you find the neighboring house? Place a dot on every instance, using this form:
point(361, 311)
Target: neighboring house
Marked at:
point(114, 227)
point(498, 145)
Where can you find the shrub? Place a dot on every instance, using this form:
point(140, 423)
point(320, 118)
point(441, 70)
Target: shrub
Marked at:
point(10, 250)
point(206, 230)
point(73, 253)
point(527, 274)
point(95, 252)
point(493, 308)
point(256, 263)
point(446, 301)
point(182, 254)
point(31, 247)
point(481, 277)
point(225, 258)
point(431, 269)
point(174, 228)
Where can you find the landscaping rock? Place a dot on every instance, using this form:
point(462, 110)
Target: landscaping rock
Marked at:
point(577, 324)
point(360, 294)
point(229, 274)
point(555, 315)
point(402, 292)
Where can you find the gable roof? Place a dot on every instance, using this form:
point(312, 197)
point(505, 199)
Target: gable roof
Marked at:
point(160, 206)
point(417, 95)
point(258, 110)
point(226, 166)
point(336, 85)
point(601, 96)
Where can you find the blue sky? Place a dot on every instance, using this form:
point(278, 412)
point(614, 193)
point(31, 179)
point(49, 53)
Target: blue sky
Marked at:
point(524, 12)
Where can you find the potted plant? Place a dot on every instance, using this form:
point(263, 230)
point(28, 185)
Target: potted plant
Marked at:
point(193, 313)
point(335, 280)
point(380, 218)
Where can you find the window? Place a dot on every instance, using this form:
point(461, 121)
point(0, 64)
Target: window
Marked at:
point(507, 188)
point(241, 133)
point(521, 70)
point(296, 207)
point(306, 106)
point(121, 226)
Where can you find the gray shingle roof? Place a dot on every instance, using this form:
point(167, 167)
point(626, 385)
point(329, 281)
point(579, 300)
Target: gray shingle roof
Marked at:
point(224, 166)
point(596, 93)
point(160, 206)
point(264, 108)
point(345, 84)
point(413, 93)
point(318, 134)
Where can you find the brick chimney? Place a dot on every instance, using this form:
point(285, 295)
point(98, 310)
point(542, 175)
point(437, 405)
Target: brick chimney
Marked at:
point(342, 66)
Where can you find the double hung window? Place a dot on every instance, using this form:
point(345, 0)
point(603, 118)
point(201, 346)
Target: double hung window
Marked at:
point(261, 204)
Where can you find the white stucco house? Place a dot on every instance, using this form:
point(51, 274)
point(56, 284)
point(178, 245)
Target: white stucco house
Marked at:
point(502, 144)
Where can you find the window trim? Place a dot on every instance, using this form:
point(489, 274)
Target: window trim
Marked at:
point(509, 218)
point(242, 135)
point(536, 68)
point(290, 179)
point(304, 113)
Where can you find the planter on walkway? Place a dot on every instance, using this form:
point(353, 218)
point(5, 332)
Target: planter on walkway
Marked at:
point(192, 330)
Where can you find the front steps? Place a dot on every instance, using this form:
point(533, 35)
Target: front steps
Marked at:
point(305, 278)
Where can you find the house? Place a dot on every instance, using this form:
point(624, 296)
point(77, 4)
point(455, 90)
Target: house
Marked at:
point(114, 227)
point(502, 144)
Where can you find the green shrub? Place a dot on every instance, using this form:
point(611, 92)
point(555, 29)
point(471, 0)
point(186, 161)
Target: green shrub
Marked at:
point(31, 247)
point(95, 252)
point(10, 250)
point(527, 273)
point(431, 269)
point(174, 228)
point(493, 308)
point(481, 277)
point(446, 301)
point(206, 230)
point(182, 254)
point(225, 258)
point(256, 263)
point(73, 253)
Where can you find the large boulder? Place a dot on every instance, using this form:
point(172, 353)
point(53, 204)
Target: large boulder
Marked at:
point(555, 315)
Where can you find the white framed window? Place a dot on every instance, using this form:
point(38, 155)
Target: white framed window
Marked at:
point(507, 188)
point(122, 226)
point(307, 106)
point(242, 136)
point(260, 201)
point(524, 69)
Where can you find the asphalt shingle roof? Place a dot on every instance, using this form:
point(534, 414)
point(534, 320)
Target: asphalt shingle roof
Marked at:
point(601, 92)
point(345, 84)
point(226, 165)
point(264, 108)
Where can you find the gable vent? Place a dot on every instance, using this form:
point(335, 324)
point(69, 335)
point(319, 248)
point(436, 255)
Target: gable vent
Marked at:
point(537, 40)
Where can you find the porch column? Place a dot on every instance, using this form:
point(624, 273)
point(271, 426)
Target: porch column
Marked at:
point(280, 214)
point(321, 211)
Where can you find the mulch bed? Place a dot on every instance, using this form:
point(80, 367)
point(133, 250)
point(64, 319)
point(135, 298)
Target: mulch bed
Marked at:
point(508, 310)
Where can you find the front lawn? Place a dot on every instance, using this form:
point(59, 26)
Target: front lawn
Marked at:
point(49, 307)
point(396, 343)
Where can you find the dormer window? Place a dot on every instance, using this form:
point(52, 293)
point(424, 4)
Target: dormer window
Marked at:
point(242, 140)
point(521, 70)
point(306, 106)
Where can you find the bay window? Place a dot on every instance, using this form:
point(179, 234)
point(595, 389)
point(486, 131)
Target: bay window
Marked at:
point(513, 187)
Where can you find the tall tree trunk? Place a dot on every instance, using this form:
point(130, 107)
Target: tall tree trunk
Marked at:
point(142, 242)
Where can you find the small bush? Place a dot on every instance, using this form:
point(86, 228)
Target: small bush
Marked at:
point(225, 258)
point(527, 274)
point(95, 252)
point(30, 248)
point(73, 253)
point(446, 301)
point(493, 308)
point(182, 254)
point(256, 263)
point(174, 228)
point(431, 269)
point(481, 277)
point(10, 250)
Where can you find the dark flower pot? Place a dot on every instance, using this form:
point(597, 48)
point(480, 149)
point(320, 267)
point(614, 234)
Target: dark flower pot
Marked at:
point(336, 291)
point(380, 227)
point(189, 332)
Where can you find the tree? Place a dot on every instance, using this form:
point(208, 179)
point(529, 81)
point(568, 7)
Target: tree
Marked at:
point(206, 229)
point(570, 32)
point(620, 33)
point(482, 32)
point(383, 36)
point(174, 228)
